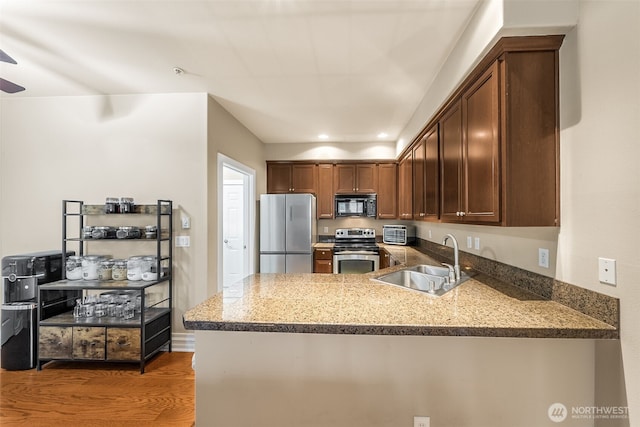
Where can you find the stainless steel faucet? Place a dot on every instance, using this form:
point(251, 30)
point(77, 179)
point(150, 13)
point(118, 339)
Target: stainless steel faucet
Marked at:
point(456, 258)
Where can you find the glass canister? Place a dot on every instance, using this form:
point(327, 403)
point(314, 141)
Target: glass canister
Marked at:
point(105, 269)
point(126, 204)
point(87, 232)
point(119, 269)
point(111, 205)
point(90, 264)
point(134, 268)
point(74, 268)
point(149, 267)
point(151, 231)
point(127, 232)
point(103, 232)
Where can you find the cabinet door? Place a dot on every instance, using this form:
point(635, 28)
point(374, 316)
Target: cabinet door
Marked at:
point(418, 170)
point(387, 191)
point(88, 343)
point(366, 178)
point(481, 176)
point(123, 344)
point(451, 162)
point(278, 178)
point(344, 179)
point(431, 172)
point(385, 259)
point(325, 192)
point(303, 178)
point(55, 342)
point(405, 193)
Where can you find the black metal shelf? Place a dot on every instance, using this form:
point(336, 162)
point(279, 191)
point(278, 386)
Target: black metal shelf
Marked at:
point(155, 323)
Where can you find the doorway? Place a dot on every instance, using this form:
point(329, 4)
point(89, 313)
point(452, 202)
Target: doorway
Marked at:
point(235, 225)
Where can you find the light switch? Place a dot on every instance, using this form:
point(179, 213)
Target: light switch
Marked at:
point(607, 270)
point(469, 242)
point(186, 222)
point(183, 241)
point(477, 243)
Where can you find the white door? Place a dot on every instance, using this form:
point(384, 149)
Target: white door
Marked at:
point(233, 235)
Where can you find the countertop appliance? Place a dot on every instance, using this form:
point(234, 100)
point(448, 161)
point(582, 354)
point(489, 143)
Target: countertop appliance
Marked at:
point(21, 276)
point(355, 251)
point(398, 234)
point(363, 205)
point(287, 233)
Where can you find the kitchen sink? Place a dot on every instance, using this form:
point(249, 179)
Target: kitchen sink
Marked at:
point(429, 279)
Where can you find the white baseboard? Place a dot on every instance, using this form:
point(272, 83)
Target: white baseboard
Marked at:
point(181, 341)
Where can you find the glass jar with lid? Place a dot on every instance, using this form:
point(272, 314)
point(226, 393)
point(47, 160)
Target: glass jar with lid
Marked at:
point(112, 205)
point(149, 268)
point(134, 268)
point(73, 267)
point(103, 232)
point(119, 269)
point(105, 269)
point(151, 231)
point(90, 264)
point(126, 204)
point(128, 232)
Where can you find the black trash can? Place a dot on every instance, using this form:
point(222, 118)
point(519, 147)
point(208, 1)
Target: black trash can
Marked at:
point(19, 343)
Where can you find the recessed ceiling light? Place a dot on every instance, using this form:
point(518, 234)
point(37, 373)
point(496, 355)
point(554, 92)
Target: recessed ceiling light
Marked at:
point(382, 135)
point(323, 136)
point(178, 71)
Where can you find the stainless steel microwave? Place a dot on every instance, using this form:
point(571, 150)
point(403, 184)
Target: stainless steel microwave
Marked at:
point(356, 205)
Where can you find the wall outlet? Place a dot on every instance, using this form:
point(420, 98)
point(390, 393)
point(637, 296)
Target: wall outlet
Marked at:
point(543, 257)
point(477, 243)
point(607, 270)
point(430, 234)
point(421, 422)
point(325, 229)
point(469, 242)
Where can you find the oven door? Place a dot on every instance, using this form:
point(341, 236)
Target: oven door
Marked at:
point(355, 262)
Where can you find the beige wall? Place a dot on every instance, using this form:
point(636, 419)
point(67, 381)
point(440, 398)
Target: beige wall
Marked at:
point(229, 137)
point(87, 148)
point(599, 150)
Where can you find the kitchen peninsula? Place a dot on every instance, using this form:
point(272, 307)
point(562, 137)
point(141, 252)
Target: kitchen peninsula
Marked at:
point(322, 349)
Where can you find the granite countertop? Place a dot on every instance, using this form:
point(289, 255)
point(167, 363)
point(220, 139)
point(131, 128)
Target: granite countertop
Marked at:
point(354, 304)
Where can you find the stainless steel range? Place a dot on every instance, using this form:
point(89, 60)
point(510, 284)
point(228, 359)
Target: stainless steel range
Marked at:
point(355, 251)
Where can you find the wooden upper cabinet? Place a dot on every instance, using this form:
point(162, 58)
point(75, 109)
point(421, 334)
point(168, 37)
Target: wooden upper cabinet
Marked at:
point(291, 178)
point(450, 162)
point(405, 187)
point(418, 167)
point(325, 191)
point(359, 178)
point(387, 191)
point(470, 155)
point(481, 157)
point(432, 174)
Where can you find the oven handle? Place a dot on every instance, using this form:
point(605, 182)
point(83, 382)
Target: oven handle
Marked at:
point(356, 253)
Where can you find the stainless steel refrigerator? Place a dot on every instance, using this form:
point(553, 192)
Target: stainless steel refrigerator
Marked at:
point(287, 233)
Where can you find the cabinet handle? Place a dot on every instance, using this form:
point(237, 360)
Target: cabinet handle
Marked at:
point(462, 213)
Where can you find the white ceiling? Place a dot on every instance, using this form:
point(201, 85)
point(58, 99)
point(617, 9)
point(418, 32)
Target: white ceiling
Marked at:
point(287, 69)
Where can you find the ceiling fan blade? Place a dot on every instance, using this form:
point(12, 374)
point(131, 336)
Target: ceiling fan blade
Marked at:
point(6, 58)
point(9, 87)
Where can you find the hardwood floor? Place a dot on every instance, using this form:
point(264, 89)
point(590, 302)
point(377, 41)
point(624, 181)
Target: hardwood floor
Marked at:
point(101, 395)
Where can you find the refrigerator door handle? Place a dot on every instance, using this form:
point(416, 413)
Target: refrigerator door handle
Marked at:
point(290, 213)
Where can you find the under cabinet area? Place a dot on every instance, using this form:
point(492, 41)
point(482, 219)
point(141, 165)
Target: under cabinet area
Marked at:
point(123, 320)
point(322, 260)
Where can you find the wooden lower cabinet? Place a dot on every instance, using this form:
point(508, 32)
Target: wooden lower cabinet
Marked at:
point(323, 261)
point(55, 342)
point(385, 259)
point(88, 343)
point(123, 344)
